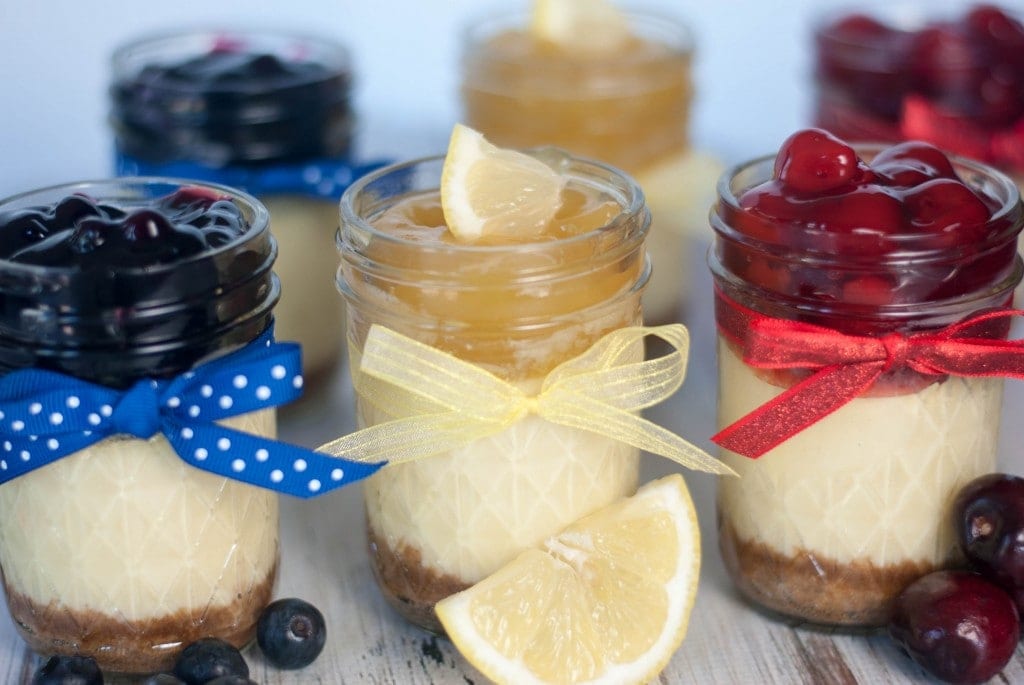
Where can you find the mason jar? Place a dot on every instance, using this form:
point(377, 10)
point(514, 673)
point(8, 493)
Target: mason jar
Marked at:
point(440, 524)
point(830, 524)
point(268, 112)
point(121, 550)
point(628, 106)
point(886, 72)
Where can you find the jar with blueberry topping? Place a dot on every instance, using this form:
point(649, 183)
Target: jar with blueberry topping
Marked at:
point(266, 112)
point(138, 385)
point(863, 303)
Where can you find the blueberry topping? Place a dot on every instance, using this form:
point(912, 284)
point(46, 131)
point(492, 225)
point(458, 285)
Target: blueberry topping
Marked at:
point(291, 633)
point(209, 658)
point(73, 208)
point(260, 99)
point(78, 231)
point(232, 680)
point(69, 670)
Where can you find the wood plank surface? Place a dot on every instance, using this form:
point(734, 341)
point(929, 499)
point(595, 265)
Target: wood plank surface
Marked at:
point(728, 642)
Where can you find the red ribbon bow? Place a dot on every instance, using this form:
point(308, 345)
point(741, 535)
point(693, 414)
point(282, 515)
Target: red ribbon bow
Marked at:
point(847, 365)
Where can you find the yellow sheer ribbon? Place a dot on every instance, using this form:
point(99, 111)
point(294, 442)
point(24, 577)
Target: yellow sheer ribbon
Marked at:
point(444, 402)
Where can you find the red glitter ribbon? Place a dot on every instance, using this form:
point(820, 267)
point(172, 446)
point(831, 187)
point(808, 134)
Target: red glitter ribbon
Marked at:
point(924, 120)
point(845, 366)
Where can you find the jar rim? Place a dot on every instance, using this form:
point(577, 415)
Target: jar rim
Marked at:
point(258, 224)
point(902, 15)
point(627, 189)
point(671, 31)
point(1010, 211)
point(195, 41)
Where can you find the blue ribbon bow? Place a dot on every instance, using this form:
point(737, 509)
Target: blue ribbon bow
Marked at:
point(45, 415)
point(322, 178)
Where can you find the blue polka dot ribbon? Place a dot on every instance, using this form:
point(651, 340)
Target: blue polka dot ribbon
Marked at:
point(324, 178)
point(45, 415)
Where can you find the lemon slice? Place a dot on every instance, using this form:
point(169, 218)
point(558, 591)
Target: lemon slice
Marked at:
point(489, 191)
point(606, 601)
point(584, 26)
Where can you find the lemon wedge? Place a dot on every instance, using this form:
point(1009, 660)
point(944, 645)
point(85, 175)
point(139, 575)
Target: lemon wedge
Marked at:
point(490, 191)
point(608, 600)
point(583, 26)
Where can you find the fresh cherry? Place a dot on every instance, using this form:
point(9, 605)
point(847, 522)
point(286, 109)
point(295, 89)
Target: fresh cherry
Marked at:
point(989, 517)
point(815, 161)
point(958, 626)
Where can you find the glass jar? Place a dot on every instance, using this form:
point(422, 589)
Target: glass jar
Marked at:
point(266, 112)
point(628, 106)
point(121, 550)
point(917, 71)
point(832, 523)
point(440, 524)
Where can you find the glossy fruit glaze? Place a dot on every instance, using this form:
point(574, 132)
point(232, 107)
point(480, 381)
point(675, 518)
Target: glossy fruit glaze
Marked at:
point(79, 231)
point(838, 230)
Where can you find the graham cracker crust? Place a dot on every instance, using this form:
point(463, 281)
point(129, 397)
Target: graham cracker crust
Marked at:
point(410, 587)
point(813, 588)
point(138, 646)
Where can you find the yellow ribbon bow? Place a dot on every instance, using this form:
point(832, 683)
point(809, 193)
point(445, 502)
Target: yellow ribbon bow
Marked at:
point(444, 402)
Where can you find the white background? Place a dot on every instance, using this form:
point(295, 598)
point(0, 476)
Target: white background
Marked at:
point(752, 70)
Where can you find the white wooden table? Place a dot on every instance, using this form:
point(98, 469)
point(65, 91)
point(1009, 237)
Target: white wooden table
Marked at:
point(324, 562)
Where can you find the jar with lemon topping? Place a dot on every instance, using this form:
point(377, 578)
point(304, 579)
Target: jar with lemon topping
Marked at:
point(607, 85)
point(515, 294)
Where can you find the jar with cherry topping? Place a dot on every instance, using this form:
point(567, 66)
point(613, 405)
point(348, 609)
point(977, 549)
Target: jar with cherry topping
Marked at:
point(267, 112)
point(855, 290)
point(916, 72)
point(120, 549)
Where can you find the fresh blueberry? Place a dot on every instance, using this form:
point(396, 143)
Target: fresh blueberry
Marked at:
point(232, 680)
point(209, 658)
point(163, 679)
point(291, 633)
point(69, 670)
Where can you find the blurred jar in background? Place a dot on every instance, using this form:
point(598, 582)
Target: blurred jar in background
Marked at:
point(608, 85)
point(912, 72)
point(266, 112)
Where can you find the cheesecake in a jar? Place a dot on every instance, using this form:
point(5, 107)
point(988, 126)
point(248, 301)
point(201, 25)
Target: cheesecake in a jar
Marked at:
point(516, 301)
point(610, 85)
point(121, 550)
point(858, 290)
point(266, 112)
